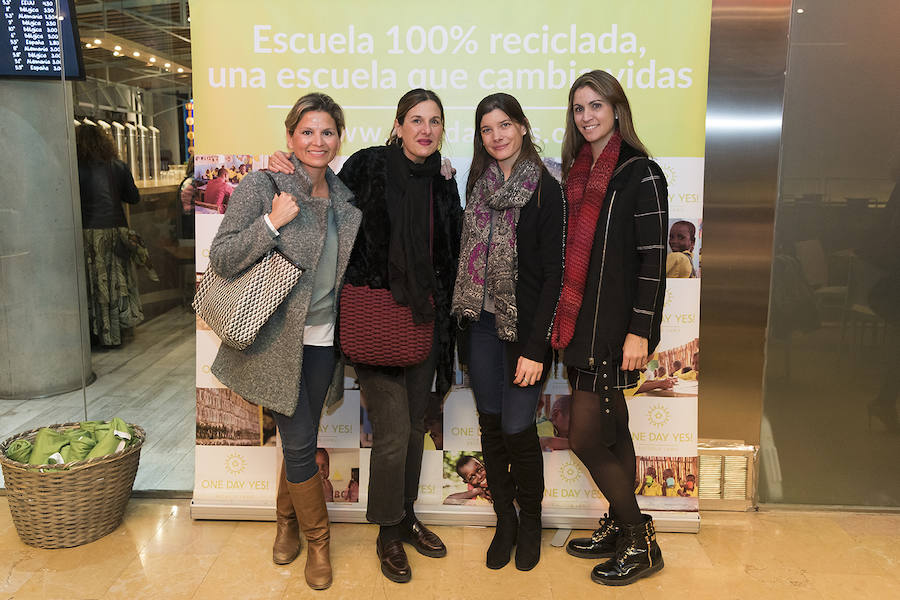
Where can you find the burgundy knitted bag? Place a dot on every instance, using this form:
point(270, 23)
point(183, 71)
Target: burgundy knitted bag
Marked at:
point(374, 329)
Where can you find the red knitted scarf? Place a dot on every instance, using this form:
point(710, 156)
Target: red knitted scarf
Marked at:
point(585, 189)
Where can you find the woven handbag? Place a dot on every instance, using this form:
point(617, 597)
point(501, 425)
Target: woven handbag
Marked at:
point(237, 308)
point(375, 330)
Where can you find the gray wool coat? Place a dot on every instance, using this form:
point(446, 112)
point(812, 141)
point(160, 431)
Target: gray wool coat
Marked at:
point(267, 372)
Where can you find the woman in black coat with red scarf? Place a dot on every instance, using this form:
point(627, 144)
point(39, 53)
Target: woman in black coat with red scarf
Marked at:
point(609, 315)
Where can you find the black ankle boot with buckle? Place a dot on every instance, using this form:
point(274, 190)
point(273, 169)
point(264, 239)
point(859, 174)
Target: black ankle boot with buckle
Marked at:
point(601, 544)
point(637, 555)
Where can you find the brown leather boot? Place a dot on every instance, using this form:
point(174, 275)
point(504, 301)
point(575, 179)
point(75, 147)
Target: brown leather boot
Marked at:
point(287, 530)
point(309, 504)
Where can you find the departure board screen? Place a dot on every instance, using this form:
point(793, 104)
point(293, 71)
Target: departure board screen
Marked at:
point(40, 39)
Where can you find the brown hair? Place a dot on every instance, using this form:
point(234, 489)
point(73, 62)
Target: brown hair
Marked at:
point(314, 102)
point(409, 100)
point(93, 143)
point(611, 90)
point(480, 157)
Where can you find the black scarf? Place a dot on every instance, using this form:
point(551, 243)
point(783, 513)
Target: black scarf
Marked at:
point(409, 209)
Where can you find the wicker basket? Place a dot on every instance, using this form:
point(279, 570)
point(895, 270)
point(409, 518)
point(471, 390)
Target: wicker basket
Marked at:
point(60, 506)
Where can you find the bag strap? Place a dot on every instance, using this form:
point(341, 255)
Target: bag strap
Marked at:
point(273, 182)
point(431, 220)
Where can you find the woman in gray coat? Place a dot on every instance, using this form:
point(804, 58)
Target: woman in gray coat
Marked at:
point(288, 368)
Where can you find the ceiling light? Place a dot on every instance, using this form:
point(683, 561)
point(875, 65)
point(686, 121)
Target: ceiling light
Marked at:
point(117, 53)
point(800, 11)
point(135, 54)
point(88, 45)
point(167, 65)
point(117, 48)
point(153, 59)
point(180, 70)
point(98, 42)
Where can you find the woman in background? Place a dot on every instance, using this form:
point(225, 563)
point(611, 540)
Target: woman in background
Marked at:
point(114, 302)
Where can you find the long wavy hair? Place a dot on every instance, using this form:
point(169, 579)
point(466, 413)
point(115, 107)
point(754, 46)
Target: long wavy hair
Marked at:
point(94, 144)
point(611, 90)
point(406, 104)
point(480, 157)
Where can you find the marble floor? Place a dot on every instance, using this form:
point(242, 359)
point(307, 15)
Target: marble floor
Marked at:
point(159, 552)
point(148, 381)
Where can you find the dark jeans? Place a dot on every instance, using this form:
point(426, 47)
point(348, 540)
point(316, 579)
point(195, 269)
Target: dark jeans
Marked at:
point(395, 400)
point(300, 432)
point(495, 393)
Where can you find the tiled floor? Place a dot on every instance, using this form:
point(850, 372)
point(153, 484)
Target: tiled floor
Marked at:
point(160, 553)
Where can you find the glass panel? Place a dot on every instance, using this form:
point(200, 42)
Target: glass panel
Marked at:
point(43, 331)
point(137, 57)
point(830, 427)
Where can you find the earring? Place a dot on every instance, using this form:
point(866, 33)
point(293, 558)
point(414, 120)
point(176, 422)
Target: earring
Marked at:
point(617, 116)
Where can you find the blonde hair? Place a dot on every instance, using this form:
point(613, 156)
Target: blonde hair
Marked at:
point(611, 90)
point(314, 102)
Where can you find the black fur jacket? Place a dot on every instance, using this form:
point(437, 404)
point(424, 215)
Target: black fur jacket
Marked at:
point(365, 173)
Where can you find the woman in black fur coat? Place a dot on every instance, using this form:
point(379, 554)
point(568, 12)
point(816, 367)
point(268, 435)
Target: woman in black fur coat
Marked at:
point(398, 248)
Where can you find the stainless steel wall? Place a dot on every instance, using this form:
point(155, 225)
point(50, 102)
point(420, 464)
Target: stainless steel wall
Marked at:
point(748, 57)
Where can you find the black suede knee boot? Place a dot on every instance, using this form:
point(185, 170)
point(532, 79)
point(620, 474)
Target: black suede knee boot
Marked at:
point(527, 469)
point(502, 489)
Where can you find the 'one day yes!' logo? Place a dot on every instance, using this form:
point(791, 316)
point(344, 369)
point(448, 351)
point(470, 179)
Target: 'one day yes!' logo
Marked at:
point(235, 463)
point(658, 415)
point(569, 472)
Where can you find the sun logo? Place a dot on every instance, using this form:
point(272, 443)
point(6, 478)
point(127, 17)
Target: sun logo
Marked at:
point(670, 297)
point(669, 172)
point(658, 415)
point(235, 464)
point(569, 472)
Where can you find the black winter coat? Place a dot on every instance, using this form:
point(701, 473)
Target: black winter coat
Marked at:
point(540, 246)
point(626, 280)
point(365, 173)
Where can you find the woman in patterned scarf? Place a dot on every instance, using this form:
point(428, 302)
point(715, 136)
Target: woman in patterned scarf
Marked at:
point(507, 286)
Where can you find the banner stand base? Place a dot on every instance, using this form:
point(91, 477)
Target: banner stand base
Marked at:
point(553, 518)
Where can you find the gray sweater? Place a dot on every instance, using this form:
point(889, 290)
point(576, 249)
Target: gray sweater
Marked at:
point(267, 373)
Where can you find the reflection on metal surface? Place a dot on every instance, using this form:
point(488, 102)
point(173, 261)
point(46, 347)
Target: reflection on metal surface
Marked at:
point(748, 56)
point(834, 324)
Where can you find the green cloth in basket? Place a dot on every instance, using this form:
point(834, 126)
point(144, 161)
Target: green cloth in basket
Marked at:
point(47, 443)
point(81, 443)
point(19, 450)
point(111, 438)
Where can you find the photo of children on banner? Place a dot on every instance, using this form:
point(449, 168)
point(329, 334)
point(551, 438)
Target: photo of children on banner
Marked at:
point(465, 480)
point(434, 423)
point(683, 259)
point(666, 478)
point(671, 373)
point(552, 421)
point(333, 464)
point(215, 177)
point(226, 419)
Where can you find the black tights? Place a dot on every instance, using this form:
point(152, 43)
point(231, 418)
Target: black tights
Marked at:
point(611, 467)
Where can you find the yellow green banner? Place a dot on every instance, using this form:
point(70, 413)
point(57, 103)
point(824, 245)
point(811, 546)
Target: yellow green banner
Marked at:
point(251, 61)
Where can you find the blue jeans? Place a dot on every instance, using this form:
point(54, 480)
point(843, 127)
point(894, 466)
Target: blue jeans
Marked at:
point(495, 393)
point(300, 432)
